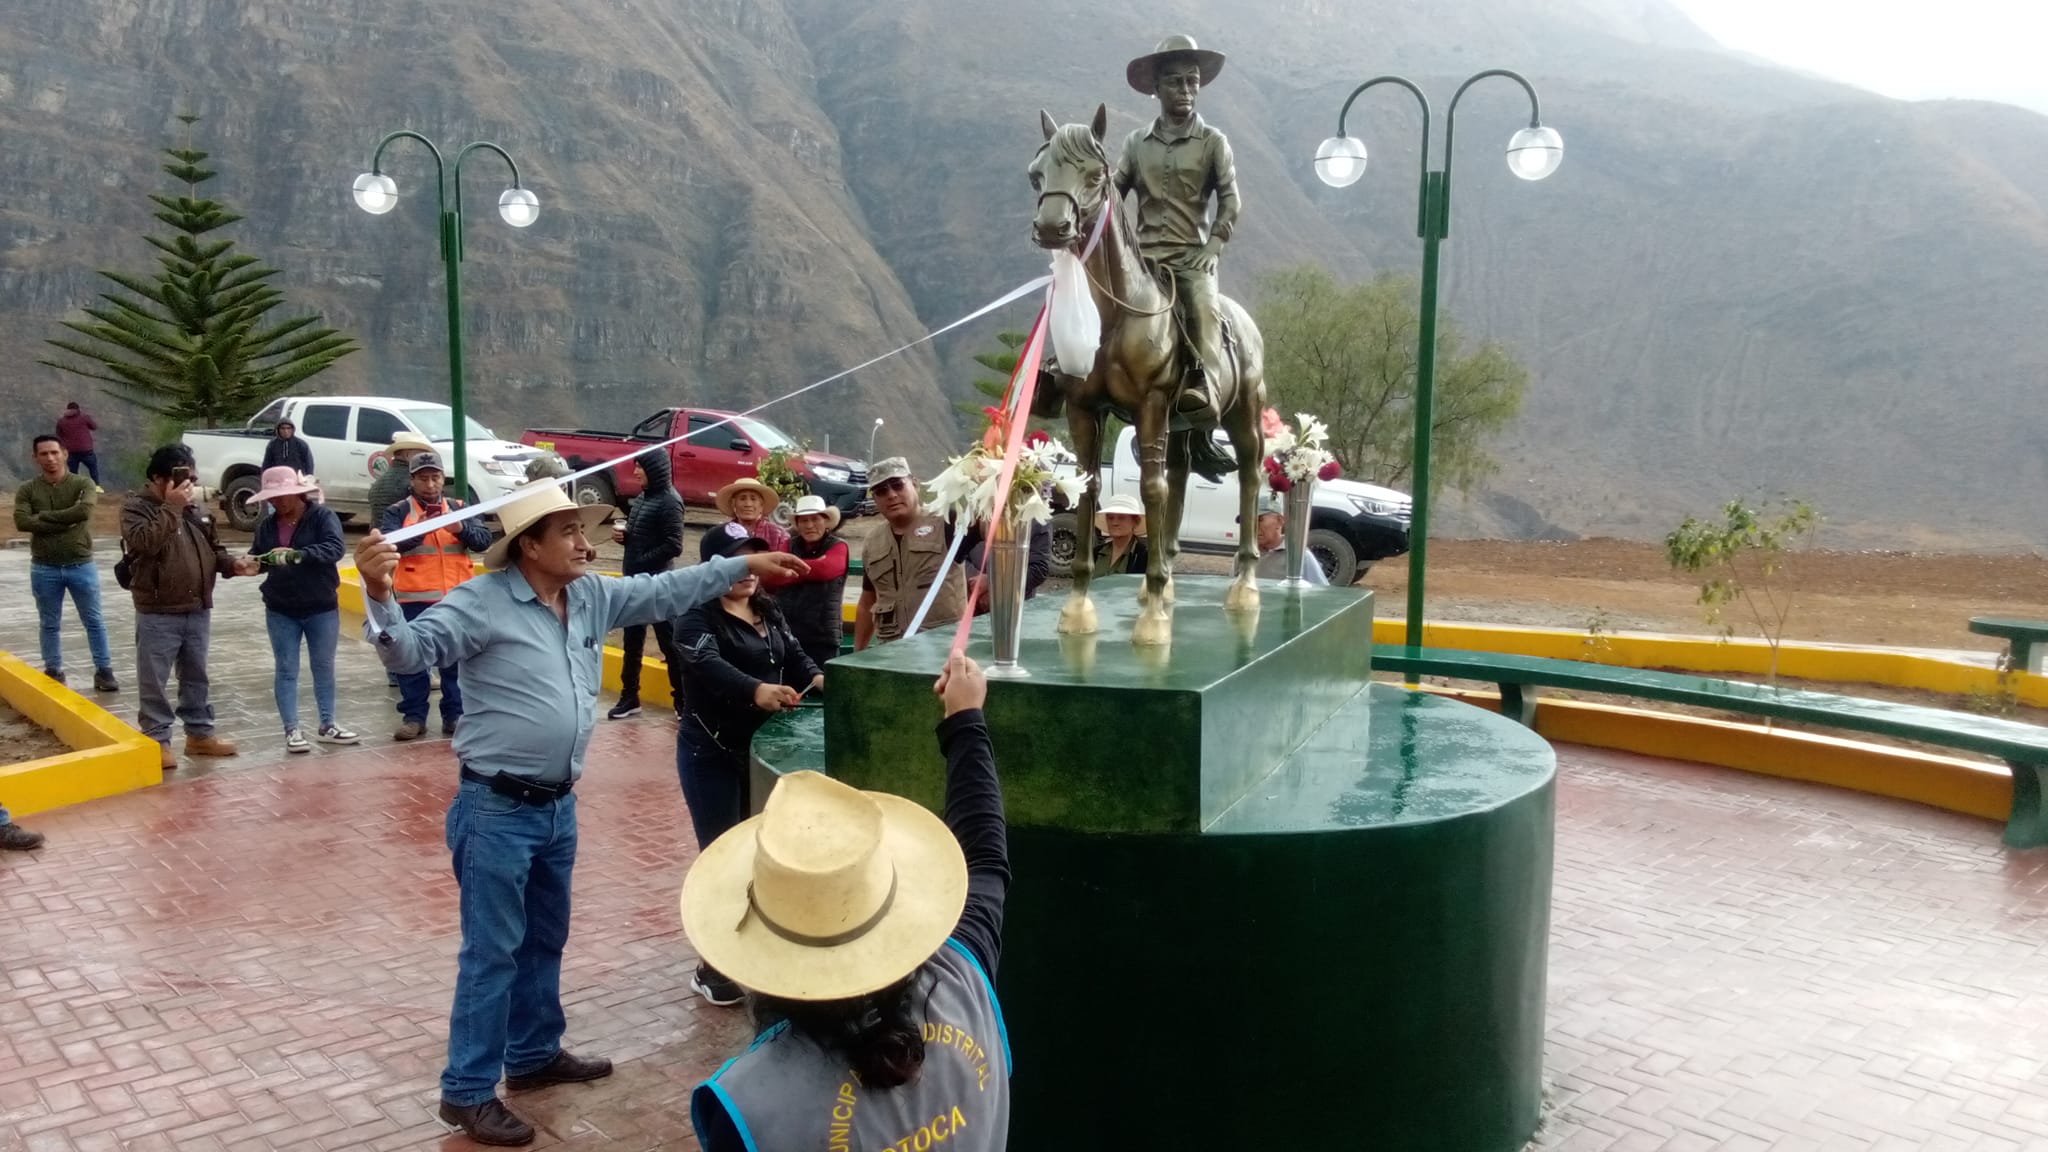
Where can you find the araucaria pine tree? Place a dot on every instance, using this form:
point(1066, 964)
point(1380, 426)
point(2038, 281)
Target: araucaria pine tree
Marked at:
point(196, 342)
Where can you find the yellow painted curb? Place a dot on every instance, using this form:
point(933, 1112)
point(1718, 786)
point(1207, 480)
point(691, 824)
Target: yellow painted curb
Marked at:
point(107, 757)
point(1707, 655)
point(1945, 782)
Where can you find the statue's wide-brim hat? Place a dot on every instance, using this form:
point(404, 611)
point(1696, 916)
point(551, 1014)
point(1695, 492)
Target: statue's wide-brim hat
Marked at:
point(1143, 73)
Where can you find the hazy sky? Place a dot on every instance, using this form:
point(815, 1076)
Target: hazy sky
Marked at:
point(1912, 49)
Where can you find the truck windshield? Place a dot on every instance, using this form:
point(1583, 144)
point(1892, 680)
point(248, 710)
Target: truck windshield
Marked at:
point(434, 424)
point(768, 436)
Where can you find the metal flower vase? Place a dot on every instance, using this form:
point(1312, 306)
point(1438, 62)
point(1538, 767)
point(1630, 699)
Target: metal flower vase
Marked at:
point(1295, 505)
point(1009, 559)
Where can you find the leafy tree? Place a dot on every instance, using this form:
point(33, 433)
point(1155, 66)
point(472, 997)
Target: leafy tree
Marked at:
point(195, 343)
point(1743, 555)
point(1002, 361)
point(1347, 354)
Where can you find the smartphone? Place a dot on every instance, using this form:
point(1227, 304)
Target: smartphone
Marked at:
point(181, 475)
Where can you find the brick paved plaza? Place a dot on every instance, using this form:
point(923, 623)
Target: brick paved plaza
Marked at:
point(259, 953)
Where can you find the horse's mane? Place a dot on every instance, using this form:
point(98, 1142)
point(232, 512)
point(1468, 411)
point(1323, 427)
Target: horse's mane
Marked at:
point(1076, 144)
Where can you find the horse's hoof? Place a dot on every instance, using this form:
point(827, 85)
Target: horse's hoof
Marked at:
point(1154, 628)
point(1242, 597)
point(1077, 616)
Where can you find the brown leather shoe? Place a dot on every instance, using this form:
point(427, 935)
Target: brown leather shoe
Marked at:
point(565, 1068)
point(210, 746)
point(488, 1123)
point(169, 758)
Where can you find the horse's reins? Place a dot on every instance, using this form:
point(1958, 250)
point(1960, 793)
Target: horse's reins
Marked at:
point(1102, 225)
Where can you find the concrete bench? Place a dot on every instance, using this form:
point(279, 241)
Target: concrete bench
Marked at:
point(2024, 747)
point(2026, 641)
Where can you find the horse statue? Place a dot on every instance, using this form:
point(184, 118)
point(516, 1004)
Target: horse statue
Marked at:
point(1137, 376)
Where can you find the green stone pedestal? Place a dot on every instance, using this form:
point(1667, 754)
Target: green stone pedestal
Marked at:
point(1259, 902)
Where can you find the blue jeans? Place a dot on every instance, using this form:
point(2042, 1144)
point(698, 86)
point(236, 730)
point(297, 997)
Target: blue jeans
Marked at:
point(714, 782)
point(513, 862)
point(413, 687)
point(167, 642)
point(48, 583)
point(320, 633)
point(90, 461)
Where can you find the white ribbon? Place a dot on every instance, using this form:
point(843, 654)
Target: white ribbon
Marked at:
point(457, 516)
point(932, 593)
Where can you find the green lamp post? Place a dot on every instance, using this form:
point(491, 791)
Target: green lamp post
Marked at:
point(377, 194)
point(1533, 153)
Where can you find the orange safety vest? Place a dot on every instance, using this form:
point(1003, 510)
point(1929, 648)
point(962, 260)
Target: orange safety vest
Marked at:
point(432, 570)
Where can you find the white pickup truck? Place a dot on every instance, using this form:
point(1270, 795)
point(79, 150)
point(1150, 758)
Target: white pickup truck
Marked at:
point(1351, 524)
point(348, 436)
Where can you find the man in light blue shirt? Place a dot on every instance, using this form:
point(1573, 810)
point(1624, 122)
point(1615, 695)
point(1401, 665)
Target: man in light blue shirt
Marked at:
point(529, 636)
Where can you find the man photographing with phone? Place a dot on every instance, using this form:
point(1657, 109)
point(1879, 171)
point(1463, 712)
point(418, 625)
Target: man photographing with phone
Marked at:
point(170, 560)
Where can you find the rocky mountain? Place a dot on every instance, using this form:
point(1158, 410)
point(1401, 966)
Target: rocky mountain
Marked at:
point(1742, 279)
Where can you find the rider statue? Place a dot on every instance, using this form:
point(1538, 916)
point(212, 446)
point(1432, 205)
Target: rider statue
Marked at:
point(1175, 165)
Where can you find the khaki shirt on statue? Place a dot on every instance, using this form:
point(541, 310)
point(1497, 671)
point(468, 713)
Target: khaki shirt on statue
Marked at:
point(1173, 172)
point(900, 569)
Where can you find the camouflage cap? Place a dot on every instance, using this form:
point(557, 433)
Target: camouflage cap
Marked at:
point(883, 471)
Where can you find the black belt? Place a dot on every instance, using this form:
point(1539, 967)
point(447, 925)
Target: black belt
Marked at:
point(519, 787)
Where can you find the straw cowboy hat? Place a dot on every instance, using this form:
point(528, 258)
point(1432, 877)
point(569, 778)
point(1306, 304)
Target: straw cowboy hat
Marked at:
point(404, 440)
point(816, 506)
point(1143, 73)
point(543, 501)
point(769, 496)
point(828, 894)
point(1121, 504)
point(284, 480)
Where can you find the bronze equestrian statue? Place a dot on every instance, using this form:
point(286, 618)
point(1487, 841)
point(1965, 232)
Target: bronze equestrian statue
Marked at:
point(1177, 360)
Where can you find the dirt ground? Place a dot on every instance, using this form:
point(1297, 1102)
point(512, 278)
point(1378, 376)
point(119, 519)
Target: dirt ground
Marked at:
point(22, 741)
point(1909, 599)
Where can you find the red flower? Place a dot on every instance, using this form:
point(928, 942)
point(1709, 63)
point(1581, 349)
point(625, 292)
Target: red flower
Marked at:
point(1329, 471)
point(1280, 483)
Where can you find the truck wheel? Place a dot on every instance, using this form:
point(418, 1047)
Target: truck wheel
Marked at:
point(1335, 554)
point(1066, 537)
point(242, 515)
point(593, 490)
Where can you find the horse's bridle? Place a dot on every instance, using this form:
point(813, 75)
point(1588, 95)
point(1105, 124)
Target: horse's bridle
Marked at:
point(1085, 225)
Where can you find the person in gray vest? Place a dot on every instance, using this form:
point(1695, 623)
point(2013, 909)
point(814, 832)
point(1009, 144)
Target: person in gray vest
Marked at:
point(867, 932)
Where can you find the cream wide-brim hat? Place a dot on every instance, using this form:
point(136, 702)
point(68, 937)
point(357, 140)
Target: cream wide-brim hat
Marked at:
point(546, 499)
point(816, 506)
point(408, 441)
point(828, 894)
point(769, 496)
point(1119, 505)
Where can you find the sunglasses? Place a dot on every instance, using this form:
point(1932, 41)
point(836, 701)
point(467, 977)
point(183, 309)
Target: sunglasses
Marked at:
point(893, 484)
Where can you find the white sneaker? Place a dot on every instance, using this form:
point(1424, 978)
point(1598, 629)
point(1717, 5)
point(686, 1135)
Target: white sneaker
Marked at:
point(295, 741)
point(336, 734)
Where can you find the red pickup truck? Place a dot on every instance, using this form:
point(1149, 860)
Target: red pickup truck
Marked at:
point(722, 447)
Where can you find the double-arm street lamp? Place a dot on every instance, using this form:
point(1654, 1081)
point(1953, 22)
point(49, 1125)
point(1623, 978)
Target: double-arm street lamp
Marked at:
point(1533, 153)
point(377, 194)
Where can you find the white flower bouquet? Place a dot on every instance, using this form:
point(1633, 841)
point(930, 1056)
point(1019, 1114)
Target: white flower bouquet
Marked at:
point(1296, 455)
point(966, 489)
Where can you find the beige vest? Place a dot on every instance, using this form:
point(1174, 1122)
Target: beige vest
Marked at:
point(901, 569)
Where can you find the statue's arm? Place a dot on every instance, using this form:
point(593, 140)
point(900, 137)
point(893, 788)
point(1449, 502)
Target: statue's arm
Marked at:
point(1223, 178)
point(1127, 166)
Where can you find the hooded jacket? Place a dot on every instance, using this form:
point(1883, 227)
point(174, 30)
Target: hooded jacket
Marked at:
point(654, 527)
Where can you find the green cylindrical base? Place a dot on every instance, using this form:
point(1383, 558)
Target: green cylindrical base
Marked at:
point(1372, 988)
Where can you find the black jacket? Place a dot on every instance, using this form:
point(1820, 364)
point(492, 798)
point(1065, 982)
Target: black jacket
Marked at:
point(724, 659)
point(654, 527)
point(306, 588)
point(295, 452)
point(815, 606)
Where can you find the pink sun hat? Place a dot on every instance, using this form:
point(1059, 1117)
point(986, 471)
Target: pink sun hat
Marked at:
point(284, 480)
